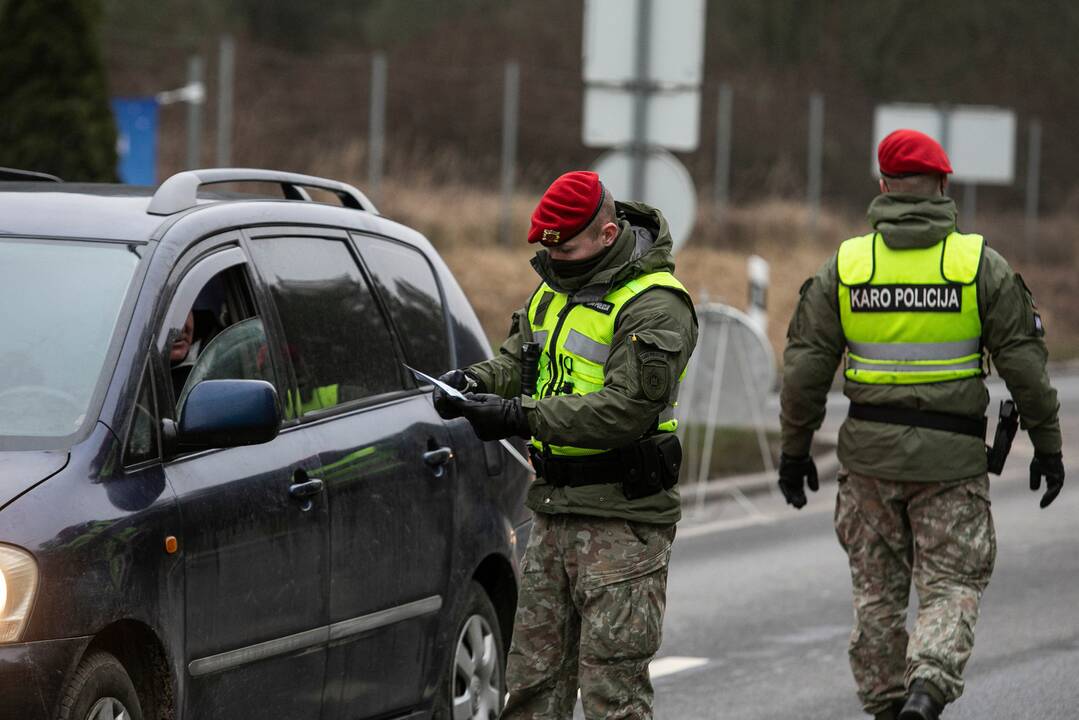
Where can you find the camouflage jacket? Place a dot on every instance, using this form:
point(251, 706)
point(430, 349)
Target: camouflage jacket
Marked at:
point(619, 413)
point(1011, 334)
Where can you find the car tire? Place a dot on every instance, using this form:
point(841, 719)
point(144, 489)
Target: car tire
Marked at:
point(99, 689)
point(474, 681)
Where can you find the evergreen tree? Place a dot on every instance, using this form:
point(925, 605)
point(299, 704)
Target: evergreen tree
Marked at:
point(54, 109)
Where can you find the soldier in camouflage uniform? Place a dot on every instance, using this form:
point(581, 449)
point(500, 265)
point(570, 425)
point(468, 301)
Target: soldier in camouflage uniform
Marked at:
point(616, 331)
point(913, 307)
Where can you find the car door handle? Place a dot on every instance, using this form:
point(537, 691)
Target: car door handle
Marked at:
point(437, 459)
point(305, 489)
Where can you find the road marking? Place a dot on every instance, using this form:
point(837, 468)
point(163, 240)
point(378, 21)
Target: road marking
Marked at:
point(674, 664)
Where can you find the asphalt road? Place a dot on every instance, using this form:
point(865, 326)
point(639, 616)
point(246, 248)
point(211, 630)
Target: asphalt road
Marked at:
point(759, 609)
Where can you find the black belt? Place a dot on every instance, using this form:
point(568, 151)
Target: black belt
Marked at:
point(642, 468)
point(919, 418)
point(601, 469)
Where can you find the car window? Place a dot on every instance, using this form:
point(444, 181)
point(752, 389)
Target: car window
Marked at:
point(336, 337)
point(409, 289)
point(222, 338)
point(61, 306)
point(141, 444)
point(239, 352)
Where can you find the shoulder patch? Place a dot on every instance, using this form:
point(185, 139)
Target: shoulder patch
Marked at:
point(655, 380)
point(600, 306)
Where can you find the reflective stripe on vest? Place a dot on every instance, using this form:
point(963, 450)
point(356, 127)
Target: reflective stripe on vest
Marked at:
point(576, 341)
point(910, 316)
point(578, 344)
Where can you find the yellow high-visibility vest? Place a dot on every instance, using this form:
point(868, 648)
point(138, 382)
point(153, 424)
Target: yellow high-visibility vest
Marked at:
point(576, 341)
point(910, 316)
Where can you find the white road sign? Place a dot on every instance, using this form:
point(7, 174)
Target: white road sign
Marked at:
point(980, 141)
point(667, 186)
point(675, 49)
point(673, 118)
point(981, 145)
point(676, 41)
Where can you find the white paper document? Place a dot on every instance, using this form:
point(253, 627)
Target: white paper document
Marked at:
point(454, 392)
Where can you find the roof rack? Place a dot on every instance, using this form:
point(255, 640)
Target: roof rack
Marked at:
point(180, 191)
point(26, 175)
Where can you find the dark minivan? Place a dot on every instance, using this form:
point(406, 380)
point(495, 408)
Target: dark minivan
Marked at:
point(222, 495)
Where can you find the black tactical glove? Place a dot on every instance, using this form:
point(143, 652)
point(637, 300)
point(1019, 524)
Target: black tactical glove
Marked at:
point(1052, 467)
point(492, 417)
point(794, 475)
point(461, 380)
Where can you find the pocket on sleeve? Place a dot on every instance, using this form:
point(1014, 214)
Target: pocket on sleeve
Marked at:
point(654, 350)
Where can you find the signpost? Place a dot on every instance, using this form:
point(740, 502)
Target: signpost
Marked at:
point(643, 64)
point(226, 82)
point(1034, 158)
point(376, 125)
point(194, 94)
point(663, 72)
point(816, 158)
point(721, 185)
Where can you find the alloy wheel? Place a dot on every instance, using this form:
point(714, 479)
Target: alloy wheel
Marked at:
point(476, 673)
point(108, 709)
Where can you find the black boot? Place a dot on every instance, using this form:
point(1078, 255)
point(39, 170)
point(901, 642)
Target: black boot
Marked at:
point(892, 713)
point(923, 703)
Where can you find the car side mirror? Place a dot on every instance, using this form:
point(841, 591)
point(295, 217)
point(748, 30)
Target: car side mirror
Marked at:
point(227, 413)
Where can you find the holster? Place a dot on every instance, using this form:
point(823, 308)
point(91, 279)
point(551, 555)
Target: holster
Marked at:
point(1007, 427)
point(651, 465)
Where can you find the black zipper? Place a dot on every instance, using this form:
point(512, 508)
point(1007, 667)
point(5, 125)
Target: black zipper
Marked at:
point(556, 381)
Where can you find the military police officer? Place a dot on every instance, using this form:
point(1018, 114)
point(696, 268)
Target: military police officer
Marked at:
point(615, 330)
point(914, 305)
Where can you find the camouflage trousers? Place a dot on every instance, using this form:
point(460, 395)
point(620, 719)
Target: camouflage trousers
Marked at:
point(589, 615)
point(942, 536)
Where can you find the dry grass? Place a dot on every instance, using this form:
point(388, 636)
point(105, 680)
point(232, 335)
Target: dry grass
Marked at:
point(500, 279)
point(462, 221)
point(497, 280)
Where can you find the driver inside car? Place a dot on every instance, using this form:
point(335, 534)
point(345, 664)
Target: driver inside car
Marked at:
point(183, 353)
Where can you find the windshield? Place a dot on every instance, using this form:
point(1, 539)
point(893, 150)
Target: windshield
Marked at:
point(60, 304)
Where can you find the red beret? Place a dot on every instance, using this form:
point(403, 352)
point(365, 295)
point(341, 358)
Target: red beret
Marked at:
point(567, 208)
point(909, 152)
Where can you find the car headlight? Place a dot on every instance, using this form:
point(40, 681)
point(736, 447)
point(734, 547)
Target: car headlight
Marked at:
point(18, 583)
